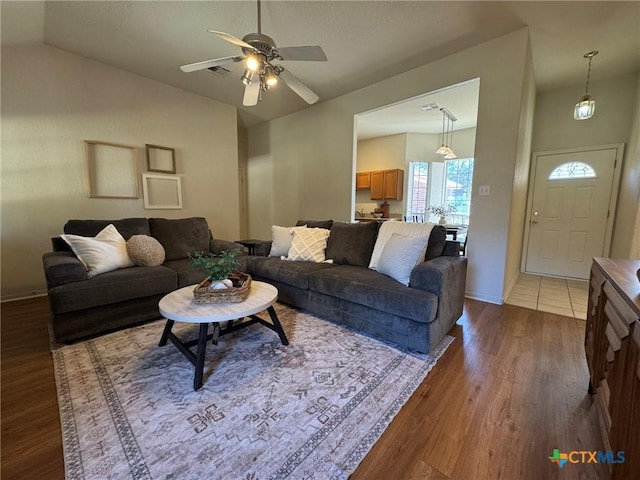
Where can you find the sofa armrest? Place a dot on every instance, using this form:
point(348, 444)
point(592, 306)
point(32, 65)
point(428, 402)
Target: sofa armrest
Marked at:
point(263, 249)
point(62, 267)
point(216, 246)
point(445, 277)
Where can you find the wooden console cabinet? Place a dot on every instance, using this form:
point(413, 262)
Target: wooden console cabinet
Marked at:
point(612, 347)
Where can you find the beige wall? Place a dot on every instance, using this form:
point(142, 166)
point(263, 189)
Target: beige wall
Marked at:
point(517, 214)
point(52, 101)
point(303, 162)
point(626, 241)
point(616, 108)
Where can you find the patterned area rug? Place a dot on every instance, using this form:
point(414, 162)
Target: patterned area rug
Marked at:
point(311, 410)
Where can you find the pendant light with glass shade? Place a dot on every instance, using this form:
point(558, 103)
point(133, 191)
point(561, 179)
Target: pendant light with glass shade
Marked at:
point(586, 106)
point(450, 154)
point(447, 134)
point(443, 150)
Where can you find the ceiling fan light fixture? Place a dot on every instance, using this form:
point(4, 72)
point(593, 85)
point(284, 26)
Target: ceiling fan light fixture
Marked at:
point(270, 78)
point(586, 106)
point(253, 63)
point(247, 77)
point(260, 74)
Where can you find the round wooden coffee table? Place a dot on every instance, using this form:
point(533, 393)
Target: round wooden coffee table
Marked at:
point(178, 306)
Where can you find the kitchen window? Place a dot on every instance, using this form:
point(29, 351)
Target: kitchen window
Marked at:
point(441, 183)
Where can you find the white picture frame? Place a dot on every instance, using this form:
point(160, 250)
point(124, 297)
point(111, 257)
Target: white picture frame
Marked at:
point(161, 192)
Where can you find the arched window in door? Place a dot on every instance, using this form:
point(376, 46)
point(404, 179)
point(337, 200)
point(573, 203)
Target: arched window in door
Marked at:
point(571, 170)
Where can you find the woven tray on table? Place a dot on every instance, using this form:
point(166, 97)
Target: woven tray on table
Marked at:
point(202, 293)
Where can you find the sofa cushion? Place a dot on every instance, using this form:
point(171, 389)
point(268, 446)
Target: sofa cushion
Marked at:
point(187, 275)
point(309, 245)
point(315, 223)
point(182, 236)
point(90, 228)
point(145, 251)
point(105, 252)
point(112, 287)
point(370, 288)
point(291, 273)
point(437, 241)
point(403, 228)
point(400, 255)
point(352, 243)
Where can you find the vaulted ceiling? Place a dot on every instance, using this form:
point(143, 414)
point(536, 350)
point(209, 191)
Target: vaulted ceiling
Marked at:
point(364, 41)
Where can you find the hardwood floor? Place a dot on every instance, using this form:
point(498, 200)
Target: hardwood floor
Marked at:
point(510, 389)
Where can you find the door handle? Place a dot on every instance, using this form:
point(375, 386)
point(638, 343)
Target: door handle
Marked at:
point(535, 217)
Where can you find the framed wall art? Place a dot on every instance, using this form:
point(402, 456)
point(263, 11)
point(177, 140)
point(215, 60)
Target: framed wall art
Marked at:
point(161, 191)
point(161, 159)
point(112, 170)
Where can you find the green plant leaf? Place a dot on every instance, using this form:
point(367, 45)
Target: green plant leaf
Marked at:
point(215, 267)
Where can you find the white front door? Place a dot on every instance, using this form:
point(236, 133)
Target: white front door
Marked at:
point(569, 210)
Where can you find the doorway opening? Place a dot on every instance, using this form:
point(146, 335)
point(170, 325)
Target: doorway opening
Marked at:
point(405, 136)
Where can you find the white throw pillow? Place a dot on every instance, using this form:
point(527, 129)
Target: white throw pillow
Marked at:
point(309, 245)
point(402, 228)
point(103, 253)
point(400, 255)
point(281, 238)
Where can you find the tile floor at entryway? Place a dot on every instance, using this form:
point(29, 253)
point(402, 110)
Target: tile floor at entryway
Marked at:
point(555, 295)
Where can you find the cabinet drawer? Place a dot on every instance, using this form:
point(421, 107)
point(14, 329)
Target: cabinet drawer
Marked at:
point(624, 311)
point(616, 328)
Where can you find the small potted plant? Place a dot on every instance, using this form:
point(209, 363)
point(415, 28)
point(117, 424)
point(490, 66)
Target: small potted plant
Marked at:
point(217, 268)
point(223, 282)
point(442, 211)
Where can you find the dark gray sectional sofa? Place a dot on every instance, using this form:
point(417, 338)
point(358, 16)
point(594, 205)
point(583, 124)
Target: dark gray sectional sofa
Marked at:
point(84, 307)
point(415, 316)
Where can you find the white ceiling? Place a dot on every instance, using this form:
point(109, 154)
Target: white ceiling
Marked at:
point(409, 116)
point(364, 41)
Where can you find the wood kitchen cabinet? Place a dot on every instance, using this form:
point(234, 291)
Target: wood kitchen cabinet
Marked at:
point(363, 180)
point(612, 346)
point(387, 184)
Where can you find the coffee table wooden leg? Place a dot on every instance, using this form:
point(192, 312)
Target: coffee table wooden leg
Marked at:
point(165, 333)
point(276, 325)
point(215, 336)
point(200, 354)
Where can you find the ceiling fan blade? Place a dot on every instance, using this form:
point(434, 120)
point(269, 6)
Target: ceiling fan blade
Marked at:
point(309, 53)
point(297, 86)
point(230, 38)
point(251, 94)
point(192, 67)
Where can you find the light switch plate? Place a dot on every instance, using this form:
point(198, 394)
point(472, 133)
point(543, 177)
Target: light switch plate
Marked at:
point(484, 190)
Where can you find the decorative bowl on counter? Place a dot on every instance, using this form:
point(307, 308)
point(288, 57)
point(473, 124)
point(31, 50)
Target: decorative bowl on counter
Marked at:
point(376, 214)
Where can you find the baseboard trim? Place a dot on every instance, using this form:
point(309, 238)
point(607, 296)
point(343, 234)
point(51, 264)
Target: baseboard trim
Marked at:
point(23, 296)
point(473, 296)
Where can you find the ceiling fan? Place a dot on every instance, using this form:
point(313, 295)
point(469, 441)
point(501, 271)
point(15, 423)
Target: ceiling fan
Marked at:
point(261, 73)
